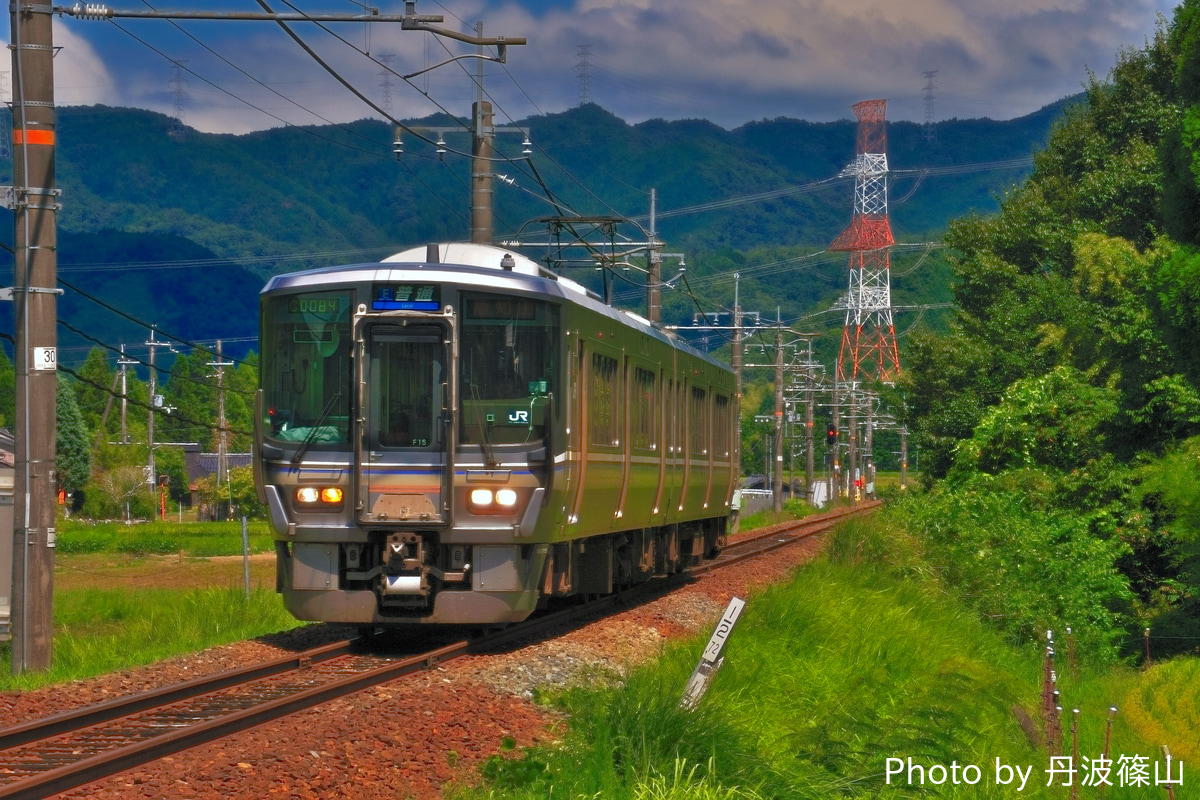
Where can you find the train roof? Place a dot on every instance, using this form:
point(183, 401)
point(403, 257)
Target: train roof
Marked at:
point(483, 266)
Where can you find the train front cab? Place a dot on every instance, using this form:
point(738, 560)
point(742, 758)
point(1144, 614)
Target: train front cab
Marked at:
point(401, 489)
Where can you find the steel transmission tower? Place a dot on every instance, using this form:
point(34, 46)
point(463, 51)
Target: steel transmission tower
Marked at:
point(868, 350)
point(385, 82)
point(178, 85)
point(930, 95)
point(583, 71)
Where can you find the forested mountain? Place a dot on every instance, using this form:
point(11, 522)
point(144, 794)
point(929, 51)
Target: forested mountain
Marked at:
point(182, 231)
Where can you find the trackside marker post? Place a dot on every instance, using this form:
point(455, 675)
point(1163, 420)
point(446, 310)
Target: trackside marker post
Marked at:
point(713, 655)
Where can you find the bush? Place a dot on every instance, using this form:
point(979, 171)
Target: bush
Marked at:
point(1026, 568)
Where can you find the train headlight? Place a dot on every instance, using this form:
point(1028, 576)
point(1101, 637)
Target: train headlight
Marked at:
point(311, 497)
point(493, 501)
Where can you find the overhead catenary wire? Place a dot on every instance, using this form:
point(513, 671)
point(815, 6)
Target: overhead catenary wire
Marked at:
point(157, 368)
point(376, 153)
point(149, 407)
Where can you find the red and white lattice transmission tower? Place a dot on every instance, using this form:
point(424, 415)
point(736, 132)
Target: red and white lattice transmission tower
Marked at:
point(869, 350)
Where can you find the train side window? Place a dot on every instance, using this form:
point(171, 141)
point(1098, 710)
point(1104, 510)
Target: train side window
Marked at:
point(603, 421)
point(698, 412)
point(722, 426)
point(645, 410)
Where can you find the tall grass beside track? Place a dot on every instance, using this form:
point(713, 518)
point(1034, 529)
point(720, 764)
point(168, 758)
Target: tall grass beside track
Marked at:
point(99, 630)
point(862, 657)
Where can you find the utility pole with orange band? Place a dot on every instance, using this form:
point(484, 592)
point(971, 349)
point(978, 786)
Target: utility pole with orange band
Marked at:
point(34, 201)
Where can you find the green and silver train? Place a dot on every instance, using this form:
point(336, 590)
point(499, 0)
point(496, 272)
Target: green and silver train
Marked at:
point(457, 435)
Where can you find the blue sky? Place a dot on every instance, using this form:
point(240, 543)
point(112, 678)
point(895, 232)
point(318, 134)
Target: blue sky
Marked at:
point(729, 61)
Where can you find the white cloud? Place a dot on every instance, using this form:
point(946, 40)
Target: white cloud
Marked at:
point(80, 74)
point(726, 60)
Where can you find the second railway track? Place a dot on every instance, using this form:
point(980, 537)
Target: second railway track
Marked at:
point(58, 753)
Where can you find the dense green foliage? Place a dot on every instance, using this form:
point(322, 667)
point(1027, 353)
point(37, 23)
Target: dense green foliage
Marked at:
point(1056, 416)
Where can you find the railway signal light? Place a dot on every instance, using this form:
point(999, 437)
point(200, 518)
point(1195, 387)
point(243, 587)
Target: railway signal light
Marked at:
point(831, 435)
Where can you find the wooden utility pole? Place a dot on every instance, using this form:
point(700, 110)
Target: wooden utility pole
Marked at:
point(35, 293)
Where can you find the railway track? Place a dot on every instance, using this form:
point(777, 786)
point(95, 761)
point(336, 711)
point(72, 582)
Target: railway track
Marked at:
point(55, 754)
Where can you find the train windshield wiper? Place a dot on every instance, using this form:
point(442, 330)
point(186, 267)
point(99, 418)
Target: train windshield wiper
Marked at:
point(316, 428)
point(485, 435)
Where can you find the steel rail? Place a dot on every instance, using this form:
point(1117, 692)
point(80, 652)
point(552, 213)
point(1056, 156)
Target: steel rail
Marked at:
point(119, 707)
point(800, 530)
point(104, 764)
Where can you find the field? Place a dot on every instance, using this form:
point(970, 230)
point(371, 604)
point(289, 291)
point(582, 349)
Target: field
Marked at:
point(119, 588)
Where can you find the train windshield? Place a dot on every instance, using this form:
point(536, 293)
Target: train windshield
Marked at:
point(306, 367)
point(509, 363)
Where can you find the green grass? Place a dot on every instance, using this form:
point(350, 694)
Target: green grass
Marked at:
point(792, 509)
point(861, 658)
point(107, 630)
point(202, 539)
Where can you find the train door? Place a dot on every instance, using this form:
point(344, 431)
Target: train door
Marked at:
point(627, 403)
point(406, 405)
point(573, 464)
point(666, 447)
point(601, 432)
point(683, 449)
point(705, 444)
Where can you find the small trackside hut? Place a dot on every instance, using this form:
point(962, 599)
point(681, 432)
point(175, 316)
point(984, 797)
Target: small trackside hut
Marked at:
point(456, 435)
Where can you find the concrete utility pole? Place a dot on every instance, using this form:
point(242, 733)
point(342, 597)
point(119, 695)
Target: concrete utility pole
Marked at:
point(809, 402)
point(737, 341)
point(835, 476)
point(481, 174)
point(35, 294)
point(124, 363)
point(155, 406)
point(222, 443)
point(777, 495)
point(654, 273)
point(852, 451)
point(868, 457)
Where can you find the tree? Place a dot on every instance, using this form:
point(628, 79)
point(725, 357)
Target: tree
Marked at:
point(1050, 421)
point(8, 390)
point(119, 492)
point(73, 440)
point(1180, 149)
point(1058, 277)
